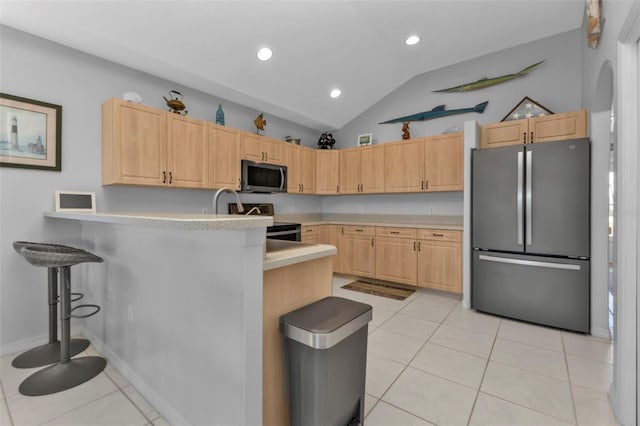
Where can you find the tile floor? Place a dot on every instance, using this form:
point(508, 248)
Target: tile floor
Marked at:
point(429, 361)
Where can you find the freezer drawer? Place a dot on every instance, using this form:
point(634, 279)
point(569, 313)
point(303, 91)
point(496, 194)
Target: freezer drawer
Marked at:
point(542, 290)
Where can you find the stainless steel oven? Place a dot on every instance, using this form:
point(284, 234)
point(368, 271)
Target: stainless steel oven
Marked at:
point(279, 230)
point(285, 231)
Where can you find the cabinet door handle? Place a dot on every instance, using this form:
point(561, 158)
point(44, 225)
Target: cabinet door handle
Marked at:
point(359, 230)
point(170, 178)
point(426, 185)
point(437, 235)
point(422, 185)
point(524, 138)
point(266, 156)
point(531, 138)
point(372, 242)
point(337, 188)
point(342, 231)
point(414, 246)
point(418, 245)
point(164, 177)
point(395, 232)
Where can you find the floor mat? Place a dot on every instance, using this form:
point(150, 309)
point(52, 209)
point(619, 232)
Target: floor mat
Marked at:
point(384, 290)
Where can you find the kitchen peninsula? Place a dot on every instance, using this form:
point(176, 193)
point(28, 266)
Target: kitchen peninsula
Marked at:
point(182, 306)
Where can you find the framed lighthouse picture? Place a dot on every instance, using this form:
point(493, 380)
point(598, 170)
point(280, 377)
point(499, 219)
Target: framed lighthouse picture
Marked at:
point(30, 133)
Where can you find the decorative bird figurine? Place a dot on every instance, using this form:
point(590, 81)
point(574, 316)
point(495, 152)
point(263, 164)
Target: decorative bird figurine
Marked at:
point(260, 122)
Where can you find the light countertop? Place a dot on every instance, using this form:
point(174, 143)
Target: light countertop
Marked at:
point(179, 221)
point(296, 254)
point(451, 222)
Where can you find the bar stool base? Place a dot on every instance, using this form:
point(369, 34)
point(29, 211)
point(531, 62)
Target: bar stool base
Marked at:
point(48, 353)
point(59, 377)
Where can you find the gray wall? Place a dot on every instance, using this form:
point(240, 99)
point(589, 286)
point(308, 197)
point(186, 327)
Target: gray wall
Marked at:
point(556, 84)
point(38, 69)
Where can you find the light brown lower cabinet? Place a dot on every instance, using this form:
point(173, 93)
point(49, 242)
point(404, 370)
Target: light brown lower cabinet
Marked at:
point(358, 250)
point(310, 234)
point(329, 234)
point(397, 255)
point(440, 260)
point(284, 290)
point(429, 258)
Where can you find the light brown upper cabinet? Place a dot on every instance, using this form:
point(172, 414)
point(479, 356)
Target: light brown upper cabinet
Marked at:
point(554, 127)
point(224, 157)
point(444, 162)
point(187, 153)
point(301, 169)
point(263, 149)
point(362, 170)
point(327, 171)
point(434, 163)
point(148, 146)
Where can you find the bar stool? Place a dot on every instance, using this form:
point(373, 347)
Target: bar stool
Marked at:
point(49, 352)
point(68, 372)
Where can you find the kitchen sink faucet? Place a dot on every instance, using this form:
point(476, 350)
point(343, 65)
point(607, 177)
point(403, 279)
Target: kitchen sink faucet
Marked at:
point(217, 195)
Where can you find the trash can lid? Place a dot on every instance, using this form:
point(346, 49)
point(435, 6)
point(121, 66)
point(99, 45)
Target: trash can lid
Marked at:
point(325, 323)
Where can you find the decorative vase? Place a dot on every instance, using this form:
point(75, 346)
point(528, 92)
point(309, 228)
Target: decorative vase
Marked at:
point(220, 116)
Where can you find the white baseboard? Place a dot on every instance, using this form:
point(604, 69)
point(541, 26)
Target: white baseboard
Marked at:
point(26, 344)
point(601, 332)
point(162, 406)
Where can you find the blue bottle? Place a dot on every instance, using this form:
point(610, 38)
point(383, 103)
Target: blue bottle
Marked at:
point(220, 116)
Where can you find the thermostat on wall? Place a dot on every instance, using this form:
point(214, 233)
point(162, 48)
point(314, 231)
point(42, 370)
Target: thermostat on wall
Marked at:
point(75, 201)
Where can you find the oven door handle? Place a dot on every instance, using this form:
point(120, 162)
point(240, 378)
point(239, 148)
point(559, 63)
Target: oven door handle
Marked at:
point(275, 234)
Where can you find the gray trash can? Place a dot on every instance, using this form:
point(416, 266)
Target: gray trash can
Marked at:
point(326, 354)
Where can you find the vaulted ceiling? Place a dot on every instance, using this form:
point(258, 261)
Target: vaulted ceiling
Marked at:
point(357, 46)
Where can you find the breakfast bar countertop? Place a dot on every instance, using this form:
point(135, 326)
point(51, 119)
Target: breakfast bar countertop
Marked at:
point(178, 221)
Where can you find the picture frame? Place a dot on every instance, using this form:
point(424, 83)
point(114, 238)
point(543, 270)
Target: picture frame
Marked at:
point(30, 133)
point(365, 139)
point(75, 201)
point(527, 108)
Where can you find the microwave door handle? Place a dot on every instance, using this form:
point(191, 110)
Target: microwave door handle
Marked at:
point(282, 178)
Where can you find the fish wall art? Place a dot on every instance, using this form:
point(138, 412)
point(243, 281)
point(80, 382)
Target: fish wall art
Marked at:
point(438, 112)
point(488, 82)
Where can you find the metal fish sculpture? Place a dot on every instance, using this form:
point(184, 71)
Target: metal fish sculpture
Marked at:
point(487, 82)
point(259, 122)
point(438, 112)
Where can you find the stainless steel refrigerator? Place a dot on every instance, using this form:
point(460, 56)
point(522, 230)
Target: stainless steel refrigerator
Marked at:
point(530, 233)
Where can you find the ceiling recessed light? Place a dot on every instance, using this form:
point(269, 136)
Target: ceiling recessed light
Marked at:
point(264, 54)
point(411, 40)
point(335, 93)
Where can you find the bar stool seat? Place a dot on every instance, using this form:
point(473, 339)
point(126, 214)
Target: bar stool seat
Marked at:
point(68, 372)
point(48, 353)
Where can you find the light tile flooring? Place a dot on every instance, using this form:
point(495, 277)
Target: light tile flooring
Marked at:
point(429, 361)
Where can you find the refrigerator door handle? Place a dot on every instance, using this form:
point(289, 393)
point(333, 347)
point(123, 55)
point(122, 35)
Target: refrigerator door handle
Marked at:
point(529, 196)
point(569, 266)
point(519, 199)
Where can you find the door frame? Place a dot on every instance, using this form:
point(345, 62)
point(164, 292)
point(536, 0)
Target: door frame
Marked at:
point(626, 372)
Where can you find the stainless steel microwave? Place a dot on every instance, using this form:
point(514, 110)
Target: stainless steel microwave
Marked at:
point(263, 177)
